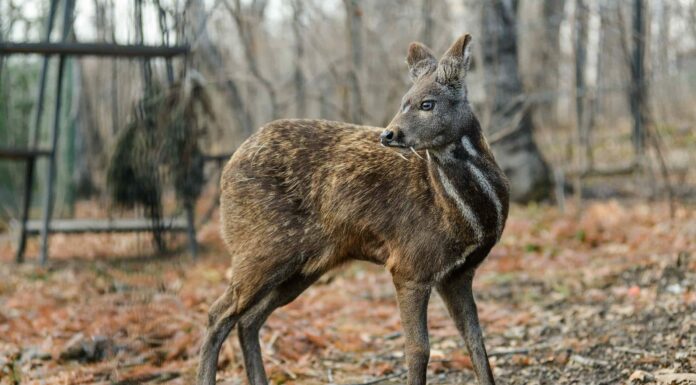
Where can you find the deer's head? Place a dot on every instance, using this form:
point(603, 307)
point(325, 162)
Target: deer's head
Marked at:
point(435, 111)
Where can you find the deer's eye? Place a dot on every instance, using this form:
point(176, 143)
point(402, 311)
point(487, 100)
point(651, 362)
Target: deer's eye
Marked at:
point(427, 105)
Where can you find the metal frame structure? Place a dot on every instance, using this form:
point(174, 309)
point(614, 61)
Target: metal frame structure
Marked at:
point(92, 49)
point(31, 154)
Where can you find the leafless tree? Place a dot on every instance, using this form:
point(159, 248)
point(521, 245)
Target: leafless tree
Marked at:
point(549, 59)
point(637, 94)
point(145, 64)
point(584, 153)
point(511, 127)
point(247, 19)
point(115, 123)
point(208, 60)
point(299, 77)
point(428, 24)
point(354, 26)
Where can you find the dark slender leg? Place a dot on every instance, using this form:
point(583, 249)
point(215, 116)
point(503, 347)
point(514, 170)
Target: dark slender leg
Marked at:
point(413, 306)
point(252, 320)
point(222, 317)
point(457, 293)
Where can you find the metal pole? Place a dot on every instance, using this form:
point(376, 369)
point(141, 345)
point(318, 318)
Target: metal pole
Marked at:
point(42, 82)
point(93, 49)
point(26, 205)
point(48, 195)
point(33, 135)
point(55, 133)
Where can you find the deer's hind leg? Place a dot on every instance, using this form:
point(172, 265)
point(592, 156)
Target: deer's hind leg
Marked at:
point(252, 320)
point(222, 317)
point(255, 279)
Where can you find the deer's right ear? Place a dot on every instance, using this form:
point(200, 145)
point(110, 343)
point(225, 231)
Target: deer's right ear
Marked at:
point(454, 64)
point(421, 61)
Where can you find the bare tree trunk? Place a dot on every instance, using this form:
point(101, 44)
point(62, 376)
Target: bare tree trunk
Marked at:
point(427, 16)
point(67, 172)
point(354, 27)
point(140, 37)
point(511, 124)
point(689, 8)
point(662, 60)
point(549, 58)
point(114, 75)
point(327, 90)
point(580, 49)
point(2, 57)
point(208, 60)
point(89, 140)
point(583, 154)
point(100, 19)
point(665, 22)
point(597, 28)
point(164, 31)
point(299, 78)
point(249, 45)
point(4, 107)
point(638, 87)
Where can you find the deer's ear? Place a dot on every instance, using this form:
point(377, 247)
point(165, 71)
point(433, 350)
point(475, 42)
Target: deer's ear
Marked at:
point(420, 60)
point(454, 64)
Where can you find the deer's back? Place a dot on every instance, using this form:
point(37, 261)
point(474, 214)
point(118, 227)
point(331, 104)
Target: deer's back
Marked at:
point(325, 189)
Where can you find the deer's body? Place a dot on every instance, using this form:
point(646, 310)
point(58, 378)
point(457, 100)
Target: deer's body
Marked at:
point(301, 197)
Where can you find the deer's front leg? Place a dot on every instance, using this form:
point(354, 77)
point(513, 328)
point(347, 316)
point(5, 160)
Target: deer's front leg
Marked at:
point(413, 305)
point(456, 291)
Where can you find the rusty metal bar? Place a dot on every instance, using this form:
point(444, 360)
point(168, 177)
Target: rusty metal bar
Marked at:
point(30, 155)
point(22, 153)
point(92, 49)
point(48, 198)
point(127, 225)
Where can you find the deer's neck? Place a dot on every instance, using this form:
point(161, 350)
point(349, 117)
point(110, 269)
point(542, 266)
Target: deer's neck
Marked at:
point(471, 186)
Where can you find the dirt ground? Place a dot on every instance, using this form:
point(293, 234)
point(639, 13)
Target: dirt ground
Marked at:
point(605, 294)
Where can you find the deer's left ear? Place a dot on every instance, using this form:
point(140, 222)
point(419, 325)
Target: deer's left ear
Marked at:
point(454, 64)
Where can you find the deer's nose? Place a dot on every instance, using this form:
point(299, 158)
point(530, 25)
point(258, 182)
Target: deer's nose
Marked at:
point(386, 137)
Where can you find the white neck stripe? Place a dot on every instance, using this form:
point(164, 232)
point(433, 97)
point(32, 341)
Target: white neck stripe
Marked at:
point(488, 189)
point(468, 146)
point(465, 210)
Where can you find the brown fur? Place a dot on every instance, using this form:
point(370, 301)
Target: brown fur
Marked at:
point(301, 197)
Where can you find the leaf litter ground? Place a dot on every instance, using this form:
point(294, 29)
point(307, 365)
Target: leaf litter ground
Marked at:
point(601, 295)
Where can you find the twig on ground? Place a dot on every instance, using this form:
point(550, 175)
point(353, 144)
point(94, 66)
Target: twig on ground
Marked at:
point(282, 367)
point(159, 377)
point(676, 378)
point(381, 379)
point(611, 380)
point(587, 361)
point(627, 349)
point(517, 350)
point(392, 336)
point(329, 375)
point(509, 351)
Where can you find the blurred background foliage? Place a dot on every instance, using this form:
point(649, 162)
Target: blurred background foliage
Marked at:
point(553, 83)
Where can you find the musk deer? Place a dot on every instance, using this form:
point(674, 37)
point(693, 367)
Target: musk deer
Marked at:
point(423, 197)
